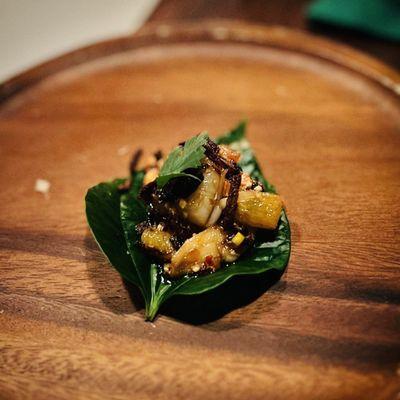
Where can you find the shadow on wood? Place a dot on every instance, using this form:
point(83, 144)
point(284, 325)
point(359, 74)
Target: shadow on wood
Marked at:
point(238, 292)
point(118, 295)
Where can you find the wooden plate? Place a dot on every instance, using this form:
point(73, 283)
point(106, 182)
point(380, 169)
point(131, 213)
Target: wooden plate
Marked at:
point(325, 123)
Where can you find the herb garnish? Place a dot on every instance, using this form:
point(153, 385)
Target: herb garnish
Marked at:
point(183, 158)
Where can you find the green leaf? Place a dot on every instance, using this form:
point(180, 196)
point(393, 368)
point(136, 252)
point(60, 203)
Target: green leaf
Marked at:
point(163, 180)
point(155, 290)
point(113, 219)
point(267, 253)
point(237, 140)
point(183, 158)
point(132, 212)
point(235, 135)
point(103, 215)
point(265, 256)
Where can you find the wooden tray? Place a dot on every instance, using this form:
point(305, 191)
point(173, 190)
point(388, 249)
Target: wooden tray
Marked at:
point(325, 123)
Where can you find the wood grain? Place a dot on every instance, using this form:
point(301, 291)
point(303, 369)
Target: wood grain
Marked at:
point(325, 124)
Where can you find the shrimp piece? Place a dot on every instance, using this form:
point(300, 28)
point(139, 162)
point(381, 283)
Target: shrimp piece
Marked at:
point(197, 208)
point(202, 252)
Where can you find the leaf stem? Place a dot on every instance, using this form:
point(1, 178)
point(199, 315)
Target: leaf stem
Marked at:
point(152, 309)
point(158, 296)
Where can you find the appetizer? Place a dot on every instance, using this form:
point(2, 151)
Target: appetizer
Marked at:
point(186, 222)
point(202, 208)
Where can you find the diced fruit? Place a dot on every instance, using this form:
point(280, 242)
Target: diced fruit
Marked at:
point(259, 209)
point(237, 240)
point(158, 241)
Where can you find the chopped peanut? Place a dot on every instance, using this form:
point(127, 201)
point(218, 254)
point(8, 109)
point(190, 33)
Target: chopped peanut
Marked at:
point(246, 181)
point(150, 175)
point(229, 154)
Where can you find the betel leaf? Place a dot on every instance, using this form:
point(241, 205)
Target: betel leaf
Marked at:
point(271, 251)
point(235, 135)
point(267, 253)
point(183, 158)
point(103, 215)
point(155, 289)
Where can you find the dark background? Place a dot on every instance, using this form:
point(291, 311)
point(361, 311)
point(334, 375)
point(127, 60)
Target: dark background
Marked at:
point(289, 13)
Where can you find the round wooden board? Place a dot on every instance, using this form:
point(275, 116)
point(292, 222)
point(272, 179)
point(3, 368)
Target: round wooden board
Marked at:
point(325, 124)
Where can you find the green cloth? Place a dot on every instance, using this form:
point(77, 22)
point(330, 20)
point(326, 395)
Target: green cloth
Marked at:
point(375, 17)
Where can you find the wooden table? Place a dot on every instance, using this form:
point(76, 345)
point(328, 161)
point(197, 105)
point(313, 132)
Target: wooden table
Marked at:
point(324, 122)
